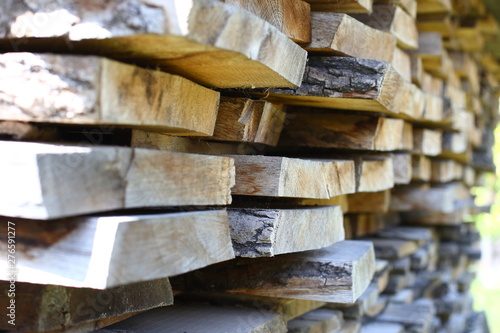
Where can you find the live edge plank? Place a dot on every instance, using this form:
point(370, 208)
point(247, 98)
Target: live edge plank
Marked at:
point(161, 35)
point(98, 252)
point(89, 90)
point(338, 273)
point(275, 176)
point(269, 232)
point(99, 178)
point(49, 308)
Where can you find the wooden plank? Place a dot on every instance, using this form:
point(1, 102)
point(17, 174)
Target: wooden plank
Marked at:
point(344, 6)
point(174, 40)
point(40, 306)
point(416, 234)
point(410, 6)
point(269, 232)
point(290, 17)
point(275, 176)
point(434, 8)
point(87, 90)
point(376, 173)
point(332, 34)
point(392, 249)
point(191, 318)
point(445, 26)
point(247, 120)
point(401, 62)
point(444, 170)
point(426, 141)
point(362, 305)
point(421, 168)
point(351, 326)
point(369, 202)
point(319, 320)
point(338, 273)
point(107, 178)
point(305, 127)
point(402, 163)
point(406, 315)
point(417, 69)
point(393, 19)
point(346, 84)
point(288, 308)
point(95, 252)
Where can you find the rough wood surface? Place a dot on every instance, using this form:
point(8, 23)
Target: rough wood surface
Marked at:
point(93, 179)
point(87, 90)
point(376, 173)
point(96, 252)
point(346, 84)
point(403, 172)
point(292, 177)
point(319, 320)
point(427, 142)
point(343, 6)
point(269, 232)
point(444, 170)
point(339, 273)
point(396, 21)
point(401, 61)
point(410, 6)
point(290, 17)
point(304, 127)
point(48, 308)
point(434, 8)
point(342, 35)
point(392, 249)
point(369, 202)
point(247, 120)
point(361, 306)
point(194, 318)
point(176, 38)
point(421, 168)
point(415, 317)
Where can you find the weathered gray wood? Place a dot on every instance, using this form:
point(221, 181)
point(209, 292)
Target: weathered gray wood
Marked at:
point(402, 163)
point(305, 127)
point(100, 252)
point(415, 317)
point(88, 90)
point(319, 320)
point(269, 232)
point(378, 327)
point(49, 308)
point(93, 179)
point(416, 234)
point(357, 310)
point(168, 35)
point(346, 84)
point(292, 177)
point(193, 318)
point(392, 249)
point(338, 273)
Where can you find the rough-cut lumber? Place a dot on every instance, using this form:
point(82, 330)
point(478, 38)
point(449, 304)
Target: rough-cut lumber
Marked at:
point(434, 8)
point(369, 202)
point(275, 176)
point(342, 35)
point(88, 90)
point(376, 173)
point(48, 308)
point(319, 320)
point(344, 6)
point(269, 232)
point(421, 168)
point(288, 308)
point(417, 69)
point(93, 179)
point(415, 317)
point(426, 141)
point(377, 327)
point(340, 200)
point(176, 39)
point(444, 170)
point(445, 26)
point(392, 249)
point(96, 252)
point(401, 62)
point(247, 120)
point(394, 20)
point(402, 163)
point(290, 17)
point(357, 310)
point(304, 127)
point(433, 109)
point(346, 84)
point(339, 273)
point(193, 318)
point(416, 234)
point(410, 6)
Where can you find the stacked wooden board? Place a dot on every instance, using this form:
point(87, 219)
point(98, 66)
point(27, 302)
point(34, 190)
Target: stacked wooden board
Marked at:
point(250, 166)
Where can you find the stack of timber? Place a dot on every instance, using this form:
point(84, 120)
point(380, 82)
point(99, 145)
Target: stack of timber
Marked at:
point(243, 165)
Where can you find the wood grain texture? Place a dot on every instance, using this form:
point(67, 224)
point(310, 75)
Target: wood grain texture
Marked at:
point(369, 202)
point(291, 177)
point(376, 173)
point(427, 142)
point(304, 127)
point(401, 62)
point(342, 6)
point(88, 90)
point(341, 35)
point(48, 308)
point(403, 171)
point(107, 178)
point(269, 232)
point(346, 84)
point(338, 273)
point(193, 318)
point(293, 18)
point(396, 21)
point(247, 120)
point(186, 39)
point(96, 252)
